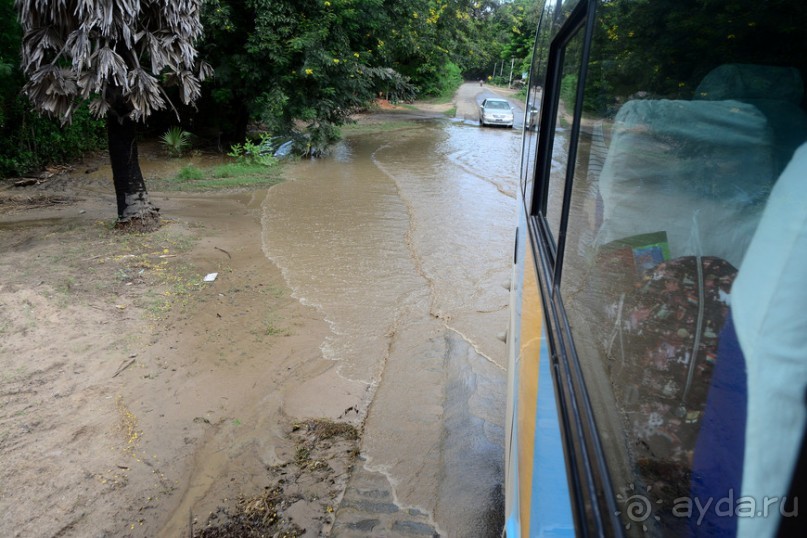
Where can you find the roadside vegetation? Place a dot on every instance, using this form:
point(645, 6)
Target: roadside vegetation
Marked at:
point(221, 177)
point(297, 70)
point(291, 70)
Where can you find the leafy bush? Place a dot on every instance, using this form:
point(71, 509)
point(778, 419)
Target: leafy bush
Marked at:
point(442, 81)
point(176, 141)
point(190, 173)
point(260, 153)
point(568, 89)
point(29, 141)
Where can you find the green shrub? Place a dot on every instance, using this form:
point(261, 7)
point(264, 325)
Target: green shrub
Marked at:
point(29, 141)
point(568, 89)
point(441, 81)
point(190, 173)
point(176, 141)
point(254, 153)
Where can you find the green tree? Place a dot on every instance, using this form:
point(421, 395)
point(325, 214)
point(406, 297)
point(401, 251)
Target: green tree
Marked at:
point(118, 55)
point(28, 141)
point(309, 61)
point(521, 17)
point(644, 40)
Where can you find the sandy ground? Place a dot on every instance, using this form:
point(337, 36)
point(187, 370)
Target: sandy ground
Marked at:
point(138, 400)
point(135, 399)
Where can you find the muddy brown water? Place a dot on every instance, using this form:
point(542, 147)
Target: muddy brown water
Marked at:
point(403, 241)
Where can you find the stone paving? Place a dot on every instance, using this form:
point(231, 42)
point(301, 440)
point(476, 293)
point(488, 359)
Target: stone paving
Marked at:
point(369, 509)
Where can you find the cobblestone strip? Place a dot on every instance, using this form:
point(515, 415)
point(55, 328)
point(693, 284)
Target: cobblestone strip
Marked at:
point(368, 509)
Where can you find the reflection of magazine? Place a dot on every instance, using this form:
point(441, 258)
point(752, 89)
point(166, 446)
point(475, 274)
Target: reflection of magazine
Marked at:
point(641, 252)
point(648, 257)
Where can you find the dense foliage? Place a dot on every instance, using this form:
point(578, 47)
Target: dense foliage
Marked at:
point(308, 65)
point(289, 62)
point(642, 39)
point(27, 140)
point(298, 68)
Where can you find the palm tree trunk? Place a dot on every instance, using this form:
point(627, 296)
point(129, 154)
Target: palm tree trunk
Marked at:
point(134, 207)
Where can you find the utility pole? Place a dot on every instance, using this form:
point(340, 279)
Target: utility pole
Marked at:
point(512, 63)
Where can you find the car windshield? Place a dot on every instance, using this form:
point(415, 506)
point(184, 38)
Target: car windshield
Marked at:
point(499, 105)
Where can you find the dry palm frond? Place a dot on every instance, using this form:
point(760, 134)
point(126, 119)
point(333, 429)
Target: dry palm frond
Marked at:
point(205, 70)
point(111, 67)
point(145, 94)
point(190, 87)
point(78, 49)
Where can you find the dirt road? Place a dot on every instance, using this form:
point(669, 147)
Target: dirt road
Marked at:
point(471, 94)
point(138, 400)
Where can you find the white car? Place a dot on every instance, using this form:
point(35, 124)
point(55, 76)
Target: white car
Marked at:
point(496, 112)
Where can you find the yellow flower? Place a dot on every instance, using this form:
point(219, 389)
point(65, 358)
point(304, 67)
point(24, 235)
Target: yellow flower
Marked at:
point(309, 71)
point(336, 60)
point(327, 4)
point(356, 54)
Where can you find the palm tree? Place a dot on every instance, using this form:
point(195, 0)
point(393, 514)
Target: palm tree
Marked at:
point(119, 55)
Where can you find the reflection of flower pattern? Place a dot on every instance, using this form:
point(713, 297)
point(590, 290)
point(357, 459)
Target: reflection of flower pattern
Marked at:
point(660, 328)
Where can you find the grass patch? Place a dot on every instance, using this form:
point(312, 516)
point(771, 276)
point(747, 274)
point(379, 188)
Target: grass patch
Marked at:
point(446, 97)
point(150, 269)
point(235, 175)
point(189, 173)
point(451, 112)
point(240, 169)
point(356, 129)
point(173, 286)
point(273, 330)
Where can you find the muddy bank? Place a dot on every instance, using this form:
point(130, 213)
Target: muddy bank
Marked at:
point(136, 399)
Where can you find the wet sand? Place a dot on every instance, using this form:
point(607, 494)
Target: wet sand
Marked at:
point(137, 401)
point(133, 397)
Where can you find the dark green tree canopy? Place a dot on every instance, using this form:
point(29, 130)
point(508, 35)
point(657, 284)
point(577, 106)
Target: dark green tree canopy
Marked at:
point(285, 62)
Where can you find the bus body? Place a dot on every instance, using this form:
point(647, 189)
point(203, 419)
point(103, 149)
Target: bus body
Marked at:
point(658, 334)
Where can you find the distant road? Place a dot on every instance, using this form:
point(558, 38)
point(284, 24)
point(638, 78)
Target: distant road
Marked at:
point(470, 94)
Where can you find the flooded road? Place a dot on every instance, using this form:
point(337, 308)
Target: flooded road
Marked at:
point(403, 241)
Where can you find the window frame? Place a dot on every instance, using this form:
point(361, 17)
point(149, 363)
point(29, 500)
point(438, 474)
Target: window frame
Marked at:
point(593, 496)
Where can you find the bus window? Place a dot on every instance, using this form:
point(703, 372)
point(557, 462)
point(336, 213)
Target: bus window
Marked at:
point(533, 104)
point(553, 14)
point(690, 114)
point(570, 71)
